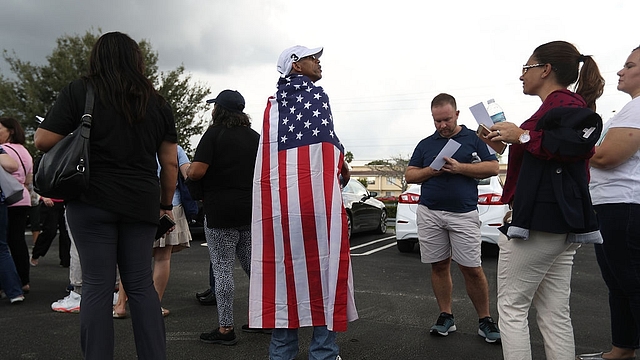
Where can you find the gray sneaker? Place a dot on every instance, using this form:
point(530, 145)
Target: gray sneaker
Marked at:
point(488, 329)
point(444, 325)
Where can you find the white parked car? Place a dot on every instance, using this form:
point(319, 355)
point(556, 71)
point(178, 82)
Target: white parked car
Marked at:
point(490, 209)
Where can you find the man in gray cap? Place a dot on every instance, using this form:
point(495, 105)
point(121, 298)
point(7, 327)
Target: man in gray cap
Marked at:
point(300, 263)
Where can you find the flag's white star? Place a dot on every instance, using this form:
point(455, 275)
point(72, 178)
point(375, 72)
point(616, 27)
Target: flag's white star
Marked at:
point(315, 132)
point(299, 135)
point(285, 121)
point(297, 87)
point(283, 139)
point(291, 128)
point(307, 105)
point(283, 94)
point(317, 96)
point(299, 98)
point(325, 105)
point(292, 110)
point(325, 122)
point(304, 83)
point(309, 89)
point(307, 124)
point(316, 113)
point(331, 133)
point(284, 102)
point(299, 116)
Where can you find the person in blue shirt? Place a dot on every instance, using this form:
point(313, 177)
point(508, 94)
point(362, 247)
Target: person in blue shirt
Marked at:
point(447, 215)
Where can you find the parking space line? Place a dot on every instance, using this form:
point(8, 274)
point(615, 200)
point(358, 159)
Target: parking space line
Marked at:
point(375, 250)
point(386, 246)
point(371, 242)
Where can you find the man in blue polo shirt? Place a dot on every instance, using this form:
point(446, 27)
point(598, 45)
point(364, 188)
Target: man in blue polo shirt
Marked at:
point(447, 216)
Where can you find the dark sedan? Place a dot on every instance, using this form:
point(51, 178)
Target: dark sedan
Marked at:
point(364, 212)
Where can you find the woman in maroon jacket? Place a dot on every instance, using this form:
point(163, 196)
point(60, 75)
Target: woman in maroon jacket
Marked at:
point(535, 266)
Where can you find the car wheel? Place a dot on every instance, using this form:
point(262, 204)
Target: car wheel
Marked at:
point(349, 226)
point(405, 246)
point(382, 227)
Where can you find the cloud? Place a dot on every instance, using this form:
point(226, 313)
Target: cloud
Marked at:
point(383, 61)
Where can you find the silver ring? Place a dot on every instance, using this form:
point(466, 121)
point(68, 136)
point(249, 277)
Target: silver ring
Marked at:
point(498, 131)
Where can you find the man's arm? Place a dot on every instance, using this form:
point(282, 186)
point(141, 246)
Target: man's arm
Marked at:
point(345, 172)
point(480, 170)
point(417, 175)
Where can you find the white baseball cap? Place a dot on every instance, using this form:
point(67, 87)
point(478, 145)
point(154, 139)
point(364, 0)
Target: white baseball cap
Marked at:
point(293, 54)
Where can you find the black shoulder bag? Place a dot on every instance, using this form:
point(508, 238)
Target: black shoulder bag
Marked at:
point(63, 171)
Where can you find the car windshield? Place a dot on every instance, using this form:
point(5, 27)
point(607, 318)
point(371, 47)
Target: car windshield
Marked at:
point(486, 181)
point(354, 187)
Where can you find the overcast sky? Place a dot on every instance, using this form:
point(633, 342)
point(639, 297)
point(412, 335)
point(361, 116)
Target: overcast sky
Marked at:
point(383, 61)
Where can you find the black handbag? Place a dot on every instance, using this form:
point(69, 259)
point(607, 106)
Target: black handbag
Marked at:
point(63, 171)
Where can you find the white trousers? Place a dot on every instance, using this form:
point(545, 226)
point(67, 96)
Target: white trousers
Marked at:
point(536, 271)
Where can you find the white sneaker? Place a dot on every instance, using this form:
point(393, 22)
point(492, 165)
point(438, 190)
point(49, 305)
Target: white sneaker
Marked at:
point(69, 304)
point(18, 299)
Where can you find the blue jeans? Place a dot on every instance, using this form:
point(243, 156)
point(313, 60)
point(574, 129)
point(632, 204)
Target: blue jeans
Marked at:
point(284, 344)
point(9, 279)
point(619, 260)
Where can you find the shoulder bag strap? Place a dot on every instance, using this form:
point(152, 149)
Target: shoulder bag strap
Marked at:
point(19, 157)
point(88, 110)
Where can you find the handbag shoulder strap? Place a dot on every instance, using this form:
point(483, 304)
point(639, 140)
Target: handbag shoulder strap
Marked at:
point(19, 157)
point(88, 104)
point(88, 110)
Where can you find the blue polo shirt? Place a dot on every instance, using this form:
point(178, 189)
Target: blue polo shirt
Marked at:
point(450, 192)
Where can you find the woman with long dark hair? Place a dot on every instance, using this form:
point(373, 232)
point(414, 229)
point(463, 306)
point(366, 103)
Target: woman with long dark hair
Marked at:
point(114, 221)
point(547, 186)
point(224, 160)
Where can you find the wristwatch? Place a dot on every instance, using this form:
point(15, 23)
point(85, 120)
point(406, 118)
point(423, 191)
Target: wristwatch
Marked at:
point(524, 138)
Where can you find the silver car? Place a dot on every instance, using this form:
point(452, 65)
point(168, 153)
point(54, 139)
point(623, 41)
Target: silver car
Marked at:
point(490, 209)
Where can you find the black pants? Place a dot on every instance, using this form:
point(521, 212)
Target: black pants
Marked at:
point(17, 216)
point(52, 218)
point(103, 239)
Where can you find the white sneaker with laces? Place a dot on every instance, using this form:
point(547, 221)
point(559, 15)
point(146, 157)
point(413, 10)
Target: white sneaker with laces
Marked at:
point(69, 304)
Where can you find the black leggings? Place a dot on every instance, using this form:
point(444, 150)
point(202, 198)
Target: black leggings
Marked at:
point(52, 220)
point(15, 238)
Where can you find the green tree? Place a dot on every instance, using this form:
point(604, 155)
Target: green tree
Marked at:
point(33, 88)
point(393, 168)
point(348, 157)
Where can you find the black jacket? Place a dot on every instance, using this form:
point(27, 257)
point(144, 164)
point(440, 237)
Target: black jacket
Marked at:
point(553, 195)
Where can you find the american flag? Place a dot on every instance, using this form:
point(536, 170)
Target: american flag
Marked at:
point(300, 263)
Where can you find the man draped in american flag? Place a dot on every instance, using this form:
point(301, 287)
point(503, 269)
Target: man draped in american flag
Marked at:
point(301, 266)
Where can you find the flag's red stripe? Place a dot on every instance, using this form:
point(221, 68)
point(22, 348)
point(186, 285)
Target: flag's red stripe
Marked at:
point(342, 292)
point(310, 235)
point(268, 234)
point(292, 299)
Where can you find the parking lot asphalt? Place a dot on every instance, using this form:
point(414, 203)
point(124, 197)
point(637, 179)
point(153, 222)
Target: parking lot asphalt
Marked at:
point(393, 296)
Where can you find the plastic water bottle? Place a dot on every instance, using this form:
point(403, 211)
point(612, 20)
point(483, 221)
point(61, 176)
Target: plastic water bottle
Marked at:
point(495, 111)
point(475, 158)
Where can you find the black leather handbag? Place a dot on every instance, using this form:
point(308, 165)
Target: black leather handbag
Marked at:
point(63, 172)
